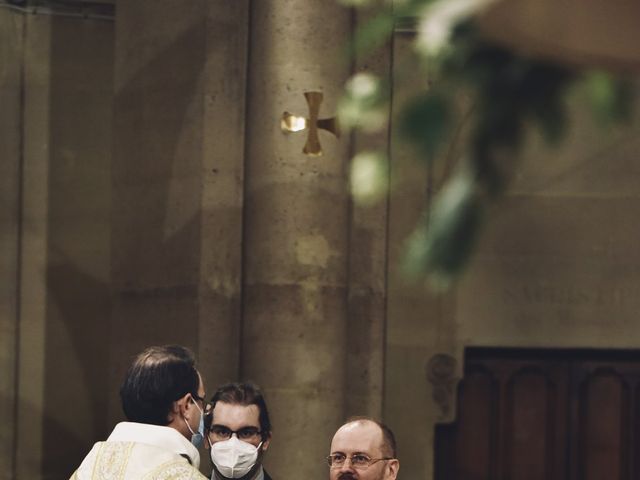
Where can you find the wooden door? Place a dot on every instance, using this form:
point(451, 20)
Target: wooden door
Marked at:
point(544, 415)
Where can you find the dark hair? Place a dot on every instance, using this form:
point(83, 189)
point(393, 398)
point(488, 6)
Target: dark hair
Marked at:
point(158, 377)
point(389, 446)
point(246, 394)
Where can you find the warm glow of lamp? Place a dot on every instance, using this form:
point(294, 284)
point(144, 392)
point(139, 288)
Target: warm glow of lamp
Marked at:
point(597, 33)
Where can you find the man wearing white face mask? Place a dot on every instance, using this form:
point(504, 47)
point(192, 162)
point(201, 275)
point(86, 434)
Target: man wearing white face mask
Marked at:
point(238, 432)
point(163, 399)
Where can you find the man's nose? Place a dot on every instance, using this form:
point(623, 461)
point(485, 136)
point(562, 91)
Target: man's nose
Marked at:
point(347, 466)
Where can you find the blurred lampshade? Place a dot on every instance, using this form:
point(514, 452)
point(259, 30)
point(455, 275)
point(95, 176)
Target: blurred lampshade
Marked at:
point(596, 33)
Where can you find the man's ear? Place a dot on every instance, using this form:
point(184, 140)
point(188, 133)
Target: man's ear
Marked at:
point(182, 406)
point(265, 442)
point(178, 412)
point(392, 468)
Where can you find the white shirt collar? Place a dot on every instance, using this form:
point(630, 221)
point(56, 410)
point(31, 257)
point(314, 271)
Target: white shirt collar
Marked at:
point(260, 475)
point(166, 438)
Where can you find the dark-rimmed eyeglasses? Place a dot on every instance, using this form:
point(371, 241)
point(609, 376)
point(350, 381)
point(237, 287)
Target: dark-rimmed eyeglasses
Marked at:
point(357, 460)
point(220, 432)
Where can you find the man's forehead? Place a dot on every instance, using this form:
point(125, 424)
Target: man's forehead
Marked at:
point(235, 416)
point(358, 437)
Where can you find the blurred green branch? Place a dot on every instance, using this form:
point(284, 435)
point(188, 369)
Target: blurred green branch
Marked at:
point(507, 93)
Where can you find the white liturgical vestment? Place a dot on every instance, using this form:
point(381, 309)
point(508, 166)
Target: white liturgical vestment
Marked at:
point(138, 451)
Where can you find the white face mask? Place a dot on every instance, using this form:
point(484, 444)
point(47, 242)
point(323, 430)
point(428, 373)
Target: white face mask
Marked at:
point(234, 458)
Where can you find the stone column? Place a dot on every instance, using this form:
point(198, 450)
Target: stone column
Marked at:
point(33, 250)
point(11, 55)
point(62, 253)
point(177, 181)
point(223, 149)
point(296, 232)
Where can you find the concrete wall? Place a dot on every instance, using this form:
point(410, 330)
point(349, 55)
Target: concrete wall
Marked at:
point(561, 252)
point(11, 52)
point(177, 179)
point(56, 152)
point(556, 266)
point(76, 355)
point(156, 228)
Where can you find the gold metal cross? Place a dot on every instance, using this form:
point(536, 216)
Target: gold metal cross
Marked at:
point(292, 123)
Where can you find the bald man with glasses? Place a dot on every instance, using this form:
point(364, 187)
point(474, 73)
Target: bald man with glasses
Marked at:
point(363, 449)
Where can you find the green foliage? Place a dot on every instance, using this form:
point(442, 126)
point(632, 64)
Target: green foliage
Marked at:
point(443, 241)
point(374, 35)
point(610, 98)
point(363, 104)
point(508, 93)
point(426, 122)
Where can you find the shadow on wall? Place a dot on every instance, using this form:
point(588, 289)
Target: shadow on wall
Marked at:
point(133, 218)
point(76, 370)
point(78, 309)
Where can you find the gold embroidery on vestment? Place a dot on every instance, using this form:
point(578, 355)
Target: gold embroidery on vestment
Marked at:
point(112, 460)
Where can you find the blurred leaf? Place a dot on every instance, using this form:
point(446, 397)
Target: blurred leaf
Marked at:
point(624, 102)
point(438, 21)
point(355, 3)
point(601, 91)
point(498, 126)
point(611, 98)
point(407, 7)
point(551, 118)
point(375, 33)
point(478, 63)
point(487, 169)
point(507, 91)
point(441, 247)
point(363, 104)
point(426, 121)
point(369, 177)
point(543, 82)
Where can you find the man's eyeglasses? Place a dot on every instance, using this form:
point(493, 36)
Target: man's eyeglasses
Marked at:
point(220, 432)
point(357, 460)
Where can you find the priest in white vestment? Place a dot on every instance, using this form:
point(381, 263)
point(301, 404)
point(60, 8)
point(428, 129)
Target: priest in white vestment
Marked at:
point(163, 399)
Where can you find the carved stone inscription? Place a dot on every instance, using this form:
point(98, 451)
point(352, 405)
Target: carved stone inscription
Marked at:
point(570, 295)
point(549, 302)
